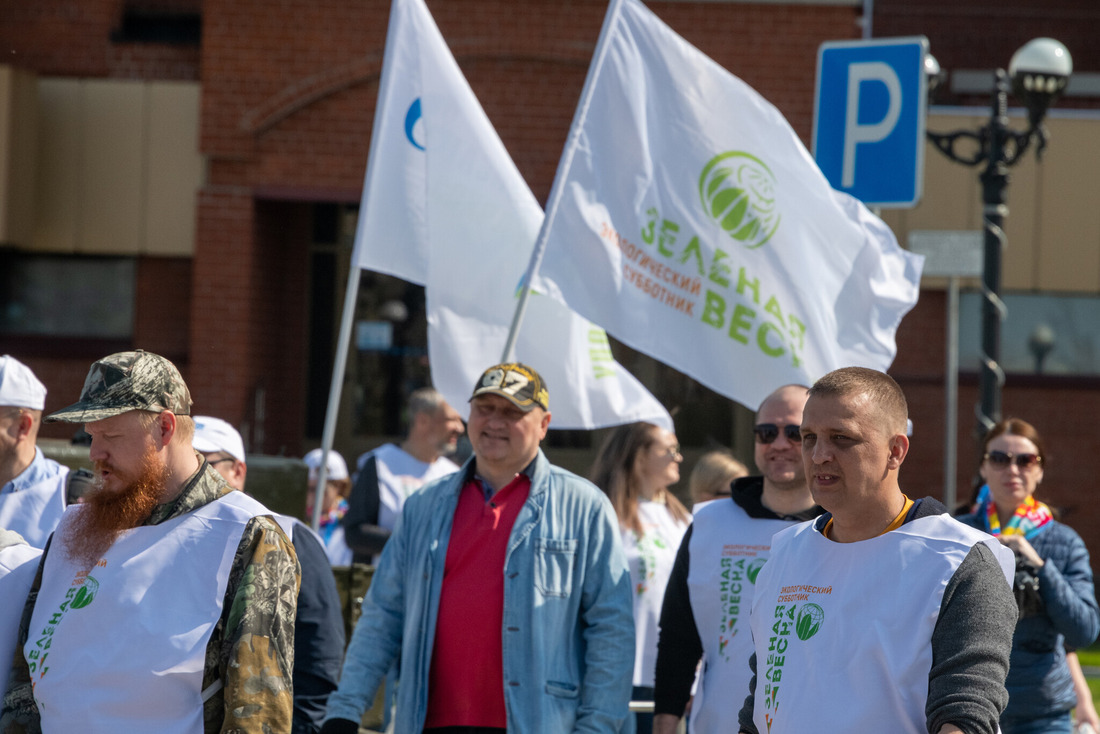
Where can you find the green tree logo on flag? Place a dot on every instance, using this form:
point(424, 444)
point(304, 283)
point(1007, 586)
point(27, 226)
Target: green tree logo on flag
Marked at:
point(737, 190)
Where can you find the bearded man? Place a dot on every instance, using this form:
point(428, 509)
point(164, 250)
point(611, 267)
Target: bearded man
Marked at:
point(165, 601)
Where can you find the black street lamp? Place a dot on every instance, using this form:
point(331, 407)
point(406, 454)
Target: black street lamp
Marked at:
point(1038, 72)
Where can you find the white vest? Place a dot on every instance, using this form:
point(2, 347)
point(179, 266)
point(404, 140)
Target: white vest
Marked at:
point(122, 647)
point(650, 560)
point(843, 631)
point(728, 549)
point(18, 564)
point(35, 511)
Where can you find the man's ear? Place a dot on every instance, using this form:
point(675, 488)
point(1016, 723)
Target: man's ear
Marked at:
point(26, 423)
point(166, 426)
point(899, 448)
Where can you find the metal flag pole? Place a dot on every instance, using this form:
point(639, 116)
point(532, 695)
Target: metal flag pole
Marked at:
point(556, 192)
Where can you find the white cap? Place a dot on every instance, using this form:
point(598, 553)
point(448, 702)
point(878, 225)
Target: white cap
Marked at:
point(214, 434)
point(19, 388)
point(337, 469)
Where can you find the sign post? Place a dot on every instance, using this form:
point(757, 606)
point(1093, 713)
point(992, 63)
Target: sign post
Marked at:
point(952, 255)
point(869, 113)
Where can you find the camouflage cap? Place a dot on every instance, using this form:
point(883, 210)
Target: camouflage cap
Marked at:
point(516, 382)
point(128, 381)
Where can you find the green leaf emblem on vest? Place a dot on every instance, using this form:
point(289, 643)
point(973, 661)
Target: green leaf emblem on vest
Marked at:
point(810, 617)
point(754, 569)
point(86, 594)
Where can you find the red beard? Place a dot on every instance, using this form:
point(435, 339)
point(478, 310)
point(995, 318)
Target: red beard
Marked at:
point(105, 514)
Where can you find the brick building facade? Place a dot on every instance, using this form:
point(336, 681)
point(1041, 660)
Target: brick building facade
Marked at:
point(288, 92)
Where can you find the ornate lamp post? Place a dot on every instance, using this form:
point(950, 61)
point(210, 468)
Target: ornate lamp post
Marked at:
point(1038, 72)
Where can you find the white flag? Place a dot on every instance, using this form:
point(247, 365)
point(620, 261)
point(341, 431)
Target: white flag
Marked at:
point(689, 221)
point(444, 205)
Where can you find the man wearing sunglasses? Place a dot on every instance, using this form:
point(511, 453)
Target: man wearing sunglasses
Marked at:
point(706, 607)
point(884, 614)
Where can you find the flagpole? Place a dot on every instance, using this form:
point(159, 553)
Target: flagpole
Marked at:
point(352, 293)
point(564, 163)
point(336, 388)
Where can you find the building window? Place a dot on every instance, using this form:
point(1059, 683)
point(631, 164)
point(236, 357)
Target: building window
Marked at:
point(149, 22)
point(66, 296)
point(1043, 333)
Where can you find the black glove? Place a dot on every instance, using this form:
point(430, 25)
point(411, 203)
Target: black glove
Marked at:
point(1026, 589)
point(340, 726)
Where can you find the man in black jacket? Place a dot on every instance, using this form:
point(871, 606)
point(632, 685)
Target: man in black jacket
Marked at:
point(706, 607)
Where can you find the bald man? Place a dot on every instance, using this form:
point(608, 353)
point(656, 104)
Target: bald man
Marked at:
point(706, 607)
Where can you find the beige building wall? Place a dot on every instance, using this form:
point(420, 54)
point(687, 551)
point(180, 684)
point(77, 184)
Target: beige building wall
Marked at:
point(1053, 222)
point(17, 146)
point(118, 167)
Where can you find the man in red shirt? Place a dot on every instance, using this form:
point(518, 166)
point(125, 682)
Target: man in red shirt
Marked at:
point(503, 590)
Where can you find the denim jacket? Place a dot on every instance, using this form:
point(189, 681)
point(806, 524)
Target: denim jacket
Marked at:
point(568, 629)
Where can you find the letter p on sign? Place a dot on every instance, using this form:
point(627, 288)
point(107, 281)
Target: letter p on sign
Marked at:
point(855, 132)
point(869, 113)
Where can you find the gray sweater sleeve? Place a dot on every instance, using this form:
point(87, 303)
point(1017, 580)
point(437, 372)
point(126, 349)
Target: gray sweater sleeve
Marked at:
point(971, 645)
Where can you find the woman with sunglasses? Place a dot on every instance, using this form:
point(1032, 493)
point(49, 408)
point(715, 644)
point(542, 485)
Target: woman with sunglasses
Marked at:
point(1053, 587)
point(635, 467)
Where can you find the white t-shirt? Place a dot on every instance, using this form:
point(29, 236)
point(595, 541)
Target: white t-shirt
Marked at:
point(399, 475)
point(650, 559)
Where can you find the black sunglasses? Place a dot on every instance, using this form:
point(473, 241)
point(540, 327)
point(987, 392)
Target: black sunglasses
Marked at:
point(768, 432)
point(1001, 459)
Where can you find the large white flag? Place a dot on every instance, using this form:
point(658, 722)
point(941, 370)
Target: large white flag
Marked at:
point(444, 205)
point(689, 221)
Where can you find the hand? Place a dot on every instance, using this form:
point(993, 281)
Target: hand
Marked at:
point(340, 726)
point(1082, 716)
point(1018, 544)
point(1086, 710)
point(665, 723)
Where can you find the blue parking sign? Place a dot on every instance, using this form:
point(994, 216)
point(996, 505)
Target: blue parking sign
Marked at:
point(869, 112)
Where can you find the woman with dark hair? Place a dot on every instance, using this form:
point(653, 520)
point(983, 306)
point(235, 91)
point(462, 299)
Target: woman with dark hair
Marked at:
point(1053, 586)
point(635, 467)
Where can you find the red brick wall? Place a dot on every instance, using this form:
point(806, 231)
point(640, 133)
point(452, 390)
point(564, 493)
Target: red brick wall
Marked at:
point(983, 34)
point(73, 38)
point(280, 312)
point(163, 312)
point(222, 292)
point(248, 335)
point(288, 101)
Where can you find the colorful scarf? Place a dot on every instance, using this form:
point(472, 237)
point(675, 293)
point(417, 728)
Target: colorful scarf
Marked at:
point(330, 520)
point(1029, 519)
